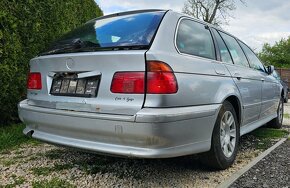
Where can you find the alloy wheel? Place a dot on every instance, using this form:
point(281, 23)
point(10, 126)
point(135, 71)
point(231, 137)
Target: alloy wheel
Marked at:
point(228, 134)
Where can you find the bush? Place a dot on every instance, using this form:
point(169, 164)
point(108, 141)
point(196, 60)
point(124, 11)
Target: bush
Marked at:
point(277, 54)
point(26, 28)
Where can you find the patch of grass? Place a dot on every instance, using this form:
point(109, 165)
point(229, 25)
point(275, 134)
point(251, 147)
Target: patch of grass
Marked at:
point(47, 170)
point(5, 152)
point(264, 144)
point(266, 136)
point(55, 182)
point(17, 181)
point(60, 167)
point(32, 158)
point(96, 165)
point(41, 170)
point(20, 180)
point(19, 156)
point(287, 116)
point(263, 133)
point(8, 162)
point(53, 154)
point(18, 152)
point(12, 137)
point(105, 165)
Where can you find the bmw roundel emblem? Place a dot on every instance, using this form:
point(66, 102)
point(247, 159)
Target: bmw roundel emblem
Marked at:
point(70, 63)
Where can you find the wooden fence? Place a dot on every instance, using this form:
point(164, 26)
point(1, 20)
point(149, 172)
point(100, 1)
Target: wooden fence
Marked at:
point(285, 75)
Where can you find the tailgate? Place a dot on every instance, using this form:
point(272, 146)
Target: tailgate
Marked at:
point(97, 66)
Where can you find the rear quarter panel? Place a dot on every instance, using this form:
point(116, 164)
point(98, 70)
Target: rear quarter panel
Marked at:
point(201, 81)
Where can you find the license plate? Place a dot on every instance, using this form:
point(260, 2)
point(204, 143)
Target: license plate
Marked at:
point(85, 87)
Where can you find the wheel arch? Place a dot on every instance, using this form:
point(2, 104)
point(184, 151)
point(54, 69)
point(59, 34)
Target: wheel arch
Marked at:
point(235, 101)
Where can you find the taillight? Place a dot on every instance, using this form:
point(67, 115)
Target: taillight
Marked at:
point(128, 82)
point(160, 78)
point(34, 81)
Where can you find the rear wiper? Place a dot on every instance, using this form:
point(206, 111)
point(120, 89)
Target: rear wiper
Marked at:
point(74, 46)
point(86, 46)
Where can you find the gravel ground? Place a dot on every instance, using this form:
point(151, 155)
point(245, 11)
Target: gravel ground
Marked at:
point(45, 162)
point(272, 171)
point(42, 164)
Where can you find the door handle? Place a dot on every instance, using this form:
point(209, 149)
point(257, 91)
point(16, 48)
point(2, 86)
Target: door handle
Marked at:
point(237, 75)
point(262, 79)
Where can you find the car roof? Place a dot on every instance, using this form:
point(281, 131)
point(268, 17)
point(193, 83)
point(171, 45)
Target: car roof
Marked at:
point(127, 13)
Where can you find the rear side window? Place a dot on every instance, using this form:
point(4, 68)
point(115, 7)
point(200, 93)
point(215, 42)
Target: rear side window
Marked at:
point(194, 38)
point(235, 50)
point(254, 61)
point(132, 31)
point(225, 54)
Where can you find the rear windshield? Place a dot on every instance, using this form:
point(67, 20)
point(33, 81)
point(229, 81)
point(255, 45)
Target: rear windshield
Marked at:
point(133, 31)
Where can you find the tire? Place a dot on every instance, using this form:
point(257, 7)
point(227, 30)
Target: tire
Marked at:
point(277, 122)
point(218, 157)
point(286, 98)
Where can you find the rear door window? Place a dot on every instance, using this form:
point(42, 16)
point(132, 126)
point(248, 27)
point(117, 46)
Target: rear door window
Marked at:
point(235, 50)
point(224, 52)
point(254, 61)
point(194, 38)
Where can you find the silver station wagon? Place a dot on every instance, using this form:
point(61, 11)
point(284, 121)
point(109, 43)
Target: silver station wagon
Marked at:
point(150, 84)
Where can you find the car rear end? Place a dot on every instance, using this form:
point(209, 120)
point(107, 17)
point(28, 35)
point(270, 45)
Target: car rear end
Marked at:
point(88, 91)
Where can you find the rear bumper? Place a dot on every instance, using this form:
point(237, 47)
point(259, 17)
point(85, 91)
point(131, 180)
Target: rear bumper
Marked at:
point(151, 133)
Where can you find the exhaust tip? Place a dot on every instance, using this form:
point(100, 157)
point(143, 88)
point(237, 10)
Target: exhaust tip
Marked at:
point(28, 132)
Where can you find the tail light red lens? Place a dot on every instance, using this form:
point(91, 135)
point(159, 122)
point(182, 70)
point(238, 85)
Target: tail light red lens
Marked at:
point(160, 78)
point(34, 81)
point(128, 82)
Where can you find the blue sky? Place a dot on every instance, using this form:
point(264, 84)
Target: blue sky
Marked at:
point(255, 23)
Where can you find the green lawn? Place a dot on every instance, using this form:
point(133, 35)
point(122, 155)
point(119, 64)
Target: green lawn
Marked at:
point(11, 136)
point(266, 136)
point(264, 133)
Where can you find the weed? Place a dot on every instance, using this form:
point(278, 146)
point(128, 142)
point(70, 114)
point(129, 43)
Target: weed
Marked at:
point(55, 182)
point(264, 133)
point(47, 170)
point(8, 162)
point(41, 170)
point(53, 154)
point(287, 116)
point(12, 137)
point(17, 181)
point(266, 136)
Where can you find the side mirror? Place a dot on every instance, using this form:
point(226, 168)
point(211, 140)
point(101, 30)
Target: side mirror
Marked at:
point(270, 69)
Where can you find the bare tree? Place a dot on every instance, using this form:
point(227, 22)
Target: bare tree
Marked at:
point(215, 12)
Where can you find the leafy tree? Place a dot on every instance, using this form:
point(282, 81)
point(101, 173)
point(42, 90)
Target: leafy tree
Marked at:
point(26, 28)
point(212, 11)
point(278, 54)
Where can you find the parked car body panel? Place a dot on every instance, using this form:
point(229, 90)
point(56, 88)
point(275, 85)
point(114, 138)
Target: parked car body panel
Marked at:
point(147, 125)
point(284, 83)
point(151, 133)
point(103, 63)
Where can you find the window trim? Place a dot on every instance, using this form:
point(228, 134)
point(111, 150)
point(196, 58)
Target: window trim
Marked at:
point(239, 41)
point(196, 56)
point(220, 56)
